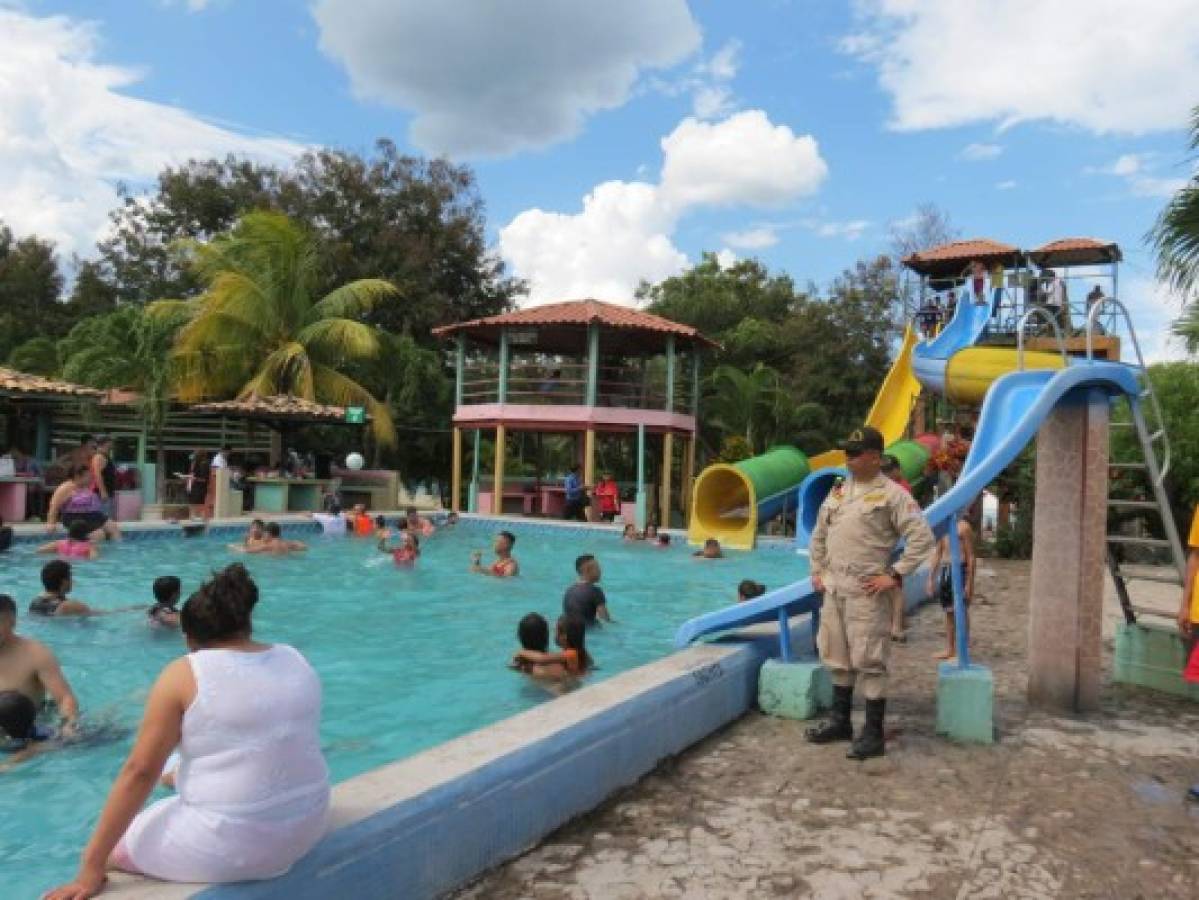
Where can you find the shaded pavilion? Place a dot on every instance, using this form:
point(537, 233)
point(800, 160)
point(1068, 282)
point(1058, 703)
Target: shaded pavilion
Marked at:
point(581, 368)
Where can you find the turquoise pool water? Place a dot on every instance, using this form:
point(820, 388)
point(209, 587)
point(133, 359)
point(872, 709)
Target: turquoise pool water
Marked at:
point(408, 658)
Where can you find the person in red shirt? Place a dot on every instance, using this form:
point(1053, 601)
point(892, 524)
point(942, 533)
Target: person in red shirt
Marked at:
point(607, 492)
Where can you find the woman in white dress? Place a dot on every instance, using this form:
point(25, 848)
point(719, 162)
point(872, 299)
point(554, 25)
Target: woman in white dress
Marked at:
point(253, 788)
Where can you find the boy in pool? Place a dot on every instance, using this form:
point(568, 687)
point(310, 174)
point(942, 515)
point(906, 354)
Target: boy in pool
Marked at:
point(29, 673)
point(406, 552)
point(275, 544)
point(255, 538)
point(382, 532)
point(571, 636)
point(748, 589)
point(78, 544)
point(53, 602)
point(505, 565)
point(585, 598)
point(711, 550)
point(533, 632)
point(417, 523)
point(163, 613)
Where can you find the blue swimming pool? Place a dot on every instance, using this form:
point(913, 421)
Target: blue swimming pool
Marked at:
point(408, 658)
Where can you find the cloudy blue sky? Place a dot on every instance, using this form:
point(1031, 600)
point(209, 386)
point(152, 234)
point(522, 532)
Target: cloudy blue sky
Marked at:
point(617, 140)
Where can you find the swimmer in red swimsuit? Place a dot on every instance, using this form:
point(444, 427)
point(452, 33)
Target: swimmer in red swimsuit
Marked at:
point(505, 565)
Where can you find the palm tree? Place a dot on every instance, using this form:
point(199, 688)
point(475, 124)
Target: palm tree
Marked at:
point(1175, 238)
point(259, 330)
point(745, 403)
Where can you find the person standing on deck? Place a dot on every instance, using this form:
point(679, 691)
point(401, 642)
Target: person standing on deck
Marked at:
point(857, 528)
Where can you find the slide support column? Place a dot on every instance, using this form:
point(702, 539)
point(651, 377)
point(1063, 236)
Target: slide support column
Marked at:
point(1068, 560)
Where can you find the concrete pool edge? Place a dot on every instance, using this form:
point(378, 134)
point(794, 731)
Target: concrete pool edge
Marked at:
point(496, 792)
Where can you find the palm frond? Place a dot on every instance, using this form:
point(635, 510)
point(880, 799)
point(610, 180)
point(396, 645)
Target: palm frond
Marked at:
point(335, 388)
point(336, 340)
point(289, 370)
point(352, 300)
point(1175, 239)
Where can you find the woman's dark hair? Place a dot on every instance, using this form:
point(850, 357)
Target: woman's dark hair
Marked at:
point(380, 522)
point(575, 630)
point(78, 530)
point(167, 589)
point(78, 469)
point(273, 529)
point(8, 606)
point(221, 608)
point(533, 632)
point(749, 589)
point(509, 537)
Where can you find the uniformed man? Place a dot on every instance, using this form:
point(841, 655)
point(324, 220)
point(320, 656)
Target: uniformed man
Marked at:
point(857, 528)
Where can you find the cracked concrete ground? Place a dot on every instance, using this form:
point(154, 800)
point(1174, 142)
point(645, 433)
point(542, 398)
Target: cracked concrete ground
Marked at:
point(1058, 807)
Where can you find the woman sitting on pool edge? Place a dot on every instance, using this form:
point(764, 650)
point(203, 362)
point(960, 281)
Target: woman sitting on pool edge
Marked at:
point(78, 544)
point(253, 786)
point(505, 565)
point(571, 636)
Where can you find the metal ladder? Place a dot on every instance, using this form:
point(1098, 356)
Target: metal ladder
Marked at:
point(1155, 465)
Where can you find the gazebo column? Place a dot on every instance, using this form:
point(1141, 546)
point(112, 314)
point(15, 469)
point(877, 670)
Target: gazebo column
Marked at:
point(592, 365)
point(640, 500)
point(667, 457)
point(670, 373)
point(688, 474)
point(41, 450)
point(589, 461)
point(472, 496)
point(497, 487)
point(502, 392)
point(456, 477)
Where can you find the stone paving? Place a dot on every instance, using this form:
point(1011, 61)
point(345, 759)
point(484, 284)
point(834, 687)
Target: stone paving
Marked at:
point(1058, 807)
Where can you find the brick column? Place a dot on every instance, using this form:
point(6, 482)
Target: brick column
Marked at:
point(1069, 528)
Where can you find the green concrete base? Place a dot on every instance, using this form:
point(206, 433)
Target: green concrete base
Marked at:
point(1152, 656)
point(965, 704)
point(794, 690)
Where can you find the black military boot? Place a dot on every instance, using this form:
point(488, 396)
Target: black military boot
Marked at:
point(870, 740)
point(838, 726)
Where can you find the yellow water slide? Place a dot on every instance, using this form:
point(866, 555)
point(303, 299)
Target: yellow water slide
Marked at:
point(728, 502)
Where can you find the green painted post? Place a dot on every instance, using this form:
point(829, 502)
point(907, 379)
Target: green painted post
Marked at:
point(670, 373)
point(592, 364)
point(695, 382)
point(503, 389)
point(641, 518)
point(472, 498)
point(459, 370)
point(41, 448)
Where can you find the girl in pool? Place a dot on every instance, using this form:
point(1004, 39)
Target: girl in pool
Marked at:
point(571, 636)
point(630, 533)
point(78, 544)
point(406, 552)
point(651, 532)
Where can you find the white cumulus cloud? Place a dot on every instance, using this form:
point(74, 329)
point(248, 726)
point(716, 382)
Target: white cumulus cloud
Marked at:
point(488, 77)
point(1103, 65)
point(624, 232)
point(1142, 173)
point(69, 135)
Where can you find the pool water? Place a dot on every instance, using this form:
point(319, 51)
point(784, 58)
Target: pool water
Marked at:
point(408, 658)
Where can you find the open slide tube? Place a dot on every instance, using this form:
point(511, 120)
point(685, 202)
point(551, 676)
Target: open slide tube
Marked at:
point(730, 502)
point(1013, 411)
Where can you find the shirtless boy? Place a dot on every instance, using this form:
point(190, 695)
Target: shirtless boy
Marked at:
point(28, 673)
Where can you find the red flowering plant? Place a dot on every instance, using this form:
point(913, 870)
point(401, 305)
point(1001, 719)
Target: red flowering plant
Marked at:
point(949, 458)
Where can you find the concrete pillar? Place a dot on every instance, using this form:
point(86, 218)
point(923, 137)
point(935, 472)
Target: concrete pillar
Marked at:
point(688, 475)
point(497, 485)
point(41, 447)
point(456, 475)
point(670, 373)
point(667, 457)
point(502, 391)
point(1069, 549)
point(589, 461)
point(592, 395)
point(459, 369)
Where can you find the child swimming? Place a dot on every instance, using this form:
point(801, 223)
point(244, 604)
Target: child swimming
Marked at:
point(748, 589)
point(571, 636)
point(533, 632)
point(630, 533)
point(711, 550)
point(163, 613)
point(406, 552)
point(77, 545)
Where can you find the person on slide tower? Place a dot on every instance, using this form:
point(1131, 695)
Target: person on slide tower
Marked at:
point(857, 529)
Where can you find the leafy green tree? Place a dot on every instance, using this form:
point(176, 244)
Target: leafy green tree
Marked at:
point(416, 223)
point(30, 285)
point(1175, 238)
point(262, 329)
point(37, 356)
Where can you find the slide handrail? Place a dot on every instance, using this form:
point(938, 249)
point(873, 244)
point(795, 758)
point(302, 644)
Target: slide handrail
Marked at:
point(1033, 312)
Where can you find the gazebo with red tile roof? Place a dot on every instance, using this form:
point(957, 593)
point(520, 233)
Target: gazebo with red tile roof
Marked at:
point(583, 368)
point(951, 260)
point(1076, 251)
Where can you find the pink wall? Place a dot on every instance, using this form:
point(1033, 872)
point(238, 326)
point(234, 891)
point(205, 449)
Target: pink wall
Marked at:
point(570, 418)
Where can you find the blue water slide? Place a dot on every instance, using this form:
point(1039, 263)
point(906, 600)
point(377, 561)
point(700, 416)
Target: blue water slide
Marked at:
point(963, 330)
point(1013, 411)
